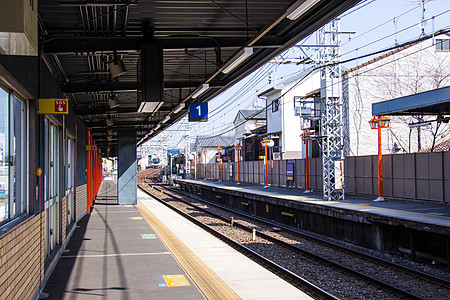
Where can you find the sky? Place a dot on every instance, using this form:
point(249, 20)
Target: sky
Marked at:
point(375, 25)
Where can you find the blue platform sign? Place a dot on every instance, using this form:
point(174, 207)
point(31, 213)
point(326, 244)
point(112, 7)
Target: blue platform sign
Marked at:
point(198, 112)
point(290, 171)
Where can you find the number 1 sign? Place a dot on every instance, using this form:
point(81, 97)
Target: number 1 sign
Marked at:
point(198, 112)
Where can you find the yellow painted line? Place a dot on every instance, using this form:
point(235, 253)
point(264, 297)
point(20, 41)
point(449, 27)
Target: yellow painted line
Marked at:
point(176, 280)
point(136, 218)
point(287, 214)
point(128, 205)
point(207, 282)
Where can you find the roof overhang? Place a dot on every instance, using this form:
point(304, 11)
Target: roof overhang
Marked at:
point(434, 102)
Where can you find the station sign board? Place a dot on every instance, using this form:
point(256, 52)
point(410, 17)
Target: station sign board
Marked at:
point(290, 171)
point(53, 106)
point(198, 112)
point(91, 147)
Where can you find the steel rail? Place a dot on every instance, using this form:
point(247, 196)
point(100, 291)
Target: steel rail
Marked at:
point(416, 273)
point(273, 267)
point(345, 268)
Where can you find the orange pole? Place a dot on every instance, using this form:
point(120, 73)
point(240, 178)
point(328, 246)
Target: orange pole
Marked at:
point(265, 162)
point(91, 173)
point(307, 165)
point(220, 168)
point(380, 165)
point(239, 177)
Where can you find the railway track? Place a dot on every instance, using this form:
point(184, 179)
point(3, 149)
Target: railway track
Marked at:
point(396, 279)
point(282, 272)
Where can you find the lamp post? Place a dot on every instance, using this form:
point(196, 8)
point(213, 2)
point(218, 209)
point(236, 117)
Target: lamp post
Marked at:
point(219, 150)
point(377, 123)
point(204, 152)
point(238, 148)
point(306, 138)
point(266, 142)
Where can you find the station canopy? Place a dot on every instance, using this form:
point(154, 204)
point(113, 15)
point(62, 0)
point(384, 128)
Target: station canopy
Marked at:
point(435, 102)
point(176, 47)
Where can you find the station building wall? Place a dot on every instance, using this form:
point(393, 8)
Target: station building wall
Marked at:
point(28, 250)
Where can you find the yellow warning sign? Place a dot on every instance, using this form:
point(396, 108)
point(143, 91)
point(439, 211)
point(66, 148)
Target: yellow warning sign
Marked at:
point(53, 106)
point(176, 280)
point(91, 147)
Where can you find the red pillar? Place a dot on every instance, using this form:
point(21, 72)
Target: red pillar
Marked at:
point(265, 164)
point(307, 165)
point(380, 166)
point(88, 173)
point(239, 171)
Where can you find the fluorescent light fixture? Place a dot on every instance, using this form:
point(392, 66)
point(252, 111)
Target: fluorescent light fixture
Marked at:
point(200, 90)
point(179, 107)
point(166, 118)
point(157, 127)
point(299, 7)
point(113, 101)
point(151, 106)
point(237, 60)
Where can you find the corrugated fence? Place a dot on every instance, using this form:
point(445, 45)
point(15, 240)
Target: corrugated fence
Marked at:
point(421, 176)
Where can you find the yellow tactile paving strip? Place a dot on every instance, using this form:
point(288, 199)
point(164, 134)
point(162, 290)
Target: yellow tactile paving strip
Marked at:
point(208, 283)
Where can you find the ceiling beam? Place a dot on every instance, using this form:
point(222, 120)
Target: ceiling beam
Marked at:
point(70, 45)
point(107, 87)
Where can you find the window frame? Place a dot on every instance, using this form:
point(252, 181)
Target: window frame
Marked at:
point(275, 105)
point(24, 202)
point(442, 43)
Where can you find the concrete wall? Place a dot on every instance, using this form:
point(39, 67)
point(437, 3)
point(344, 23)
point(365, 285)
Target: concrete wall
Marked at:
point(418, 176)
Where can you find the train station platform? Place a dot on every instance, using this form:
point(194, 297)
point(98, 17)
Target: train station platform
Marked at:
point(147, 251)
point(433, 214)
point(407, 226)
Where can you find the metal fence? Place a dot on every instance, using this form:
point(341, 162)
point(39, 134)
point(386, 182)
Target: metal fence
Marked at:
point(420, 176)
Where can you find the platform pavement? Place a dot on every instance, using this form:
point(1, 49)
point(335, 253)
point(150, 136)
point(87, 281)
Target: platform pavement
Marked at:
point(109, 258)
point(437, 214)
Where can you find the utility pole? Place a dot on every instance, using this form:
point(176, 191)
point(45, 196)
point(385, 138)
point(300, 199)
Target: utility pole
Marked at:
point(331, 110)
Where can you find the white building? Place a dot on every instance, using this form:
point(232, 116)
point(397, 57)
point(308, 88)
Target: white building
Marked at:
point(411, 69)
point(285, 107)
point(210, 144)
point(246, 121)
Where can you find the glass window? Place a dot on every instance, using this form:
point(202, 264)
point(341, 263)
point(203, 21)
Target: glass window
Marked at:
point(4, 155)
point(443, 45)
point(275, 105)
point(13, 156)
point(18, 151)
point(51, 181)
